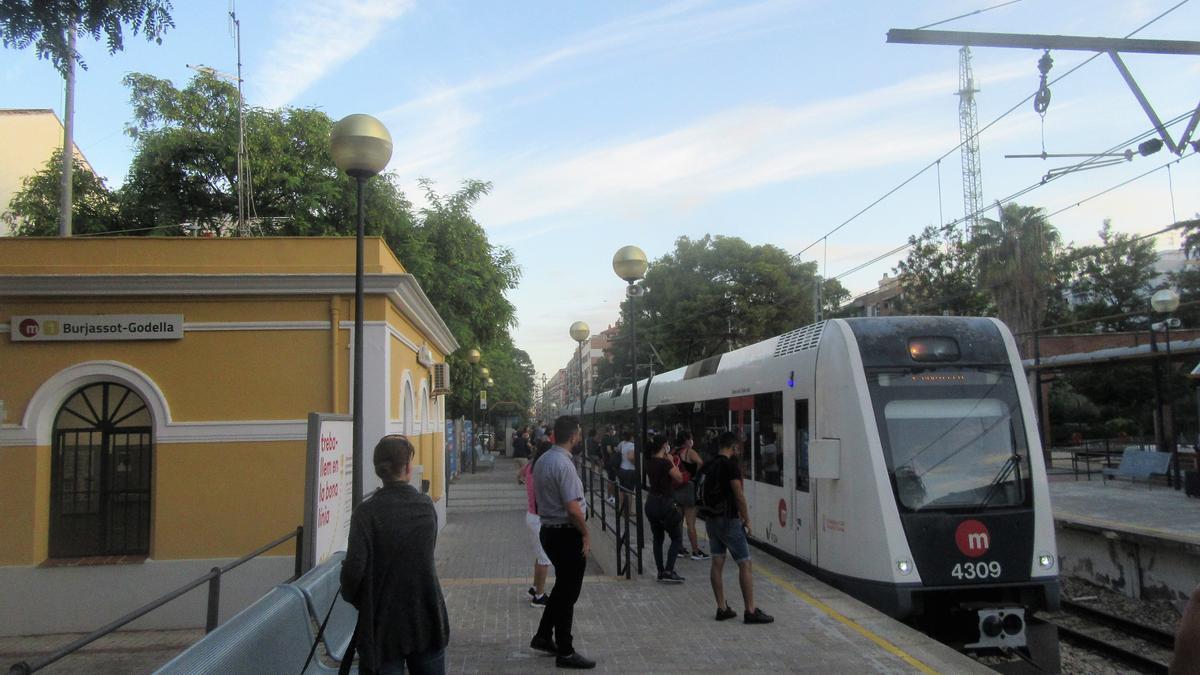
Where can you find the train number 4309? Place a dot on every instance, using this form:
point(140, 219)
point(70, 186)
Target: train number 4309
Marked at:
point(976, 570)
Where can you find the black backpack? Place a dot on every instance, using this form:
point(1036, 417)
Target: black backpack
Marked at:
point(712, 490)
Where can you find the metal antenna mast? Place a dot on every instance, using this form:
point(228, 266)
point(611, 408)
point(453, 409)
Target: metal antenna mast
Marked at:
point(243, 163)
point(968, 130)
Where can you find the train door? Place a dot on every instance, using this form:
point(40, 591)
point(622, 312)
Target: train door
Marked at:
point(741, 422)
point(770, 514)
point(803, 497)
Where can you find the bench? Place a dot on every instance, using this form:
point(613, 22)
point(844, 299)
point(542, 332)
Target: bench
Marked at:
point(1136, 463)
point(273, 635)
point(484, 459)
point(321, 586)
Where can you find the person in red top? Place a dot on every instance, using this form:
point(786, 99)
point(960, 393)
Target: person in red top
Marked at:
point(689, 462)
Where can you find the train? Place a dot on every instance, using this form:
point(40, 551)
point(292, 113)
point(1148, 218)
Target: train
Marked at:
point(895, 458)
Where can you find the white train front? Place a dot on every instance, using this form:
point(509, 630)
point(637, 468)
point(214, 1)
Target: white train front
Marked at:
point(897, 458)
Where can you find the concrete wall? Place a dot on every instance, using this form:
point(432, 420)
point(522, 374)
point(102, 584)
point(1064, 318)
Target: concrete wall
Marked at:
point(79, 599)
point(1136, 566)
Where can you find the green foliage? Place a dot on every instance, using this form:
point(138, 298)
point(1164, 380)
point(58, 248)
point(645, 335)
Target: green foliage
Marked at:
point(714, 294)
point(1115, 277)
point(185, 171)
point(44, 23)
point(939, 275)
point(33, 210)
point(1017, 265)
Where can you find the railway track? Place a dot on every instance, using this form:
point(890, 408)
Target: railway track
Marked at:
point(1135, 644)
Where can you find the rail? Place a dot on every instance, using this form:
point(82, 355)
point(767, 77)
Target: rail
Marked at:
point(624, 520)
point(212, 578)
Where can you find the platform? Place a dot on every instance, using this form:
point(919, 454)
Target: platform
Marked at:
point(642, 626)
point(1133, 539)
point(1155, 512)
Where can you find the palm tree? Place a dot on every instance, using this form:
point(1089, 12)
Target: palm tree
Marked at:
point(1017, 267)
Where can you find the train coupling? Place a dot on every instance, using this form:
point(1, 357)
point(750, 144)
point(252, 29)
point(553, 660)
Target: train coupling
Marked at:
point(1000, 628)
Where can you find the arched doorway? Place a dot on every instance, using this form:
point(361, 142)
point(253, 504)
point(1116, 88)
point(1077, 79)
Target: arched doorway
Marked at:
point(100, 473)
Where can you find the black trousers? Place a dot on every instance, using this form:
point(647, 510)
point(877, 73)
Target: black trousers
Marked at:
point(564, 547)
point(665, 519)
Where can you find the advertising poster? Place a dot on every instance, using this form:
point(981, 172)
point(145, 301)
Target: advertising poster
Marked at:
point(451, 449)
point(329, 487)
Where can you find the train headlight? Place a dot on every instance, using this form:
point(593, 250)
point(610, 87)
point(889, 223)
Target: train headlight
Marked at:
point(905, 566)
point(1045, 561)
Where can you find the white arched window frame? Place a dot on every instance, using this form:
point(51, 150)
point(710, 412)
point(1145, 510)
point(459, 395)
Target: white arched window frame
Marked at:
point(424, 424)
point(408, 408)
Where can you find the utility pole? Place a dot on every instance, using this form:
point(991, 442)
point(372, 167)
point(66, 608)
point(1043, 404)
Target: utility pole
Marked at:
point(968, 131)
point(66, 186)
point(243, 163)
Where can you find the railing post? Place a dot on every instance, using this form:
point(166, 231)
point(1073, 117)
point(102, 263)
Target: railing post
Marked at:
point(603, 503)
point(299, 566)
point(214, 599)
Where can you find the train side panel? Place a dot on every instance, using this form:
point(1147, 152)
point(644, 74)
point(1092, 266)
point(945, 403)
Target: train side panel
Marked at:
point(859, 535)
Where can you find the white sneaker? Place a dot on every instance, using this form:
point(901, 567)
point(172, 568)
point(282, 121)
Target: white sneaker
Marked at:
point(611, 501)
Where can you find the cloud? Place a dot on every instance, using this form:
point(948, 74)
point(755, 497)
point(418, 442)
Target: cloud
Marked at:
point(437, 125)
point(736, 149)
point(668, 27)
point(317, 36)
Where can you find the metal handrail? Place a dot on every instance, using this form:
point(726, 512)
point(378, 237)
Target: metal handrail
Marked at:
point(624, 520)
point(212, 578)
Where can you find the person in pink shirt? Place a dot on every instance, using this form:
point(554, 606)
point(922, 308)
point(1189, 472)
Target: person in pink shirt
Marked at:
point(541, 563)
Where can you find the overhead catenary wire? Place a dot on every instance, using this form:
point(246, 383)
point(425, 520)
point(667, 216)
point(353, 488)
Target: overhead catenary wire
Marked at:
point(982, 129)
point(963, 16)
point(1023, 191)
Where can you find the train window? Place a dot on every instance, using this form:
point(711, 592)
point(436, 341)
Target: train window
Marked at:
point(952, 437)
point(802, 446)
point(768, 446)
point(707, 425)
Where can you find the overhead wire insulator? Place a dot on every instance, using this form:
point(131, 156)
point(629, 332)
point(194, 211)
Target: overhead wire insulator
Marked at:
point(1041, 100)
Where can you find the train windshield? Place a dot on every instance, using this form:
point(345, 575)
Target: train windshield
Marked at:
point(953, 437)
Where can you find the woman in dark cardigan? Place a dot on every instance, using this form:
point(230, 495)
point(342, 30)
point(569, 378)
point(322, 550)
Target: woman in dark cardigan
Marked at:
point(389, 574)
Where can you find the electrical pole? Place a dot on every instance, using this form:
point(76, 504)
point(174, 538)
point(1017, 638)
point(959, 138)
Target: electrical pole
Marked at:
point(66, 186)
point(968, 131)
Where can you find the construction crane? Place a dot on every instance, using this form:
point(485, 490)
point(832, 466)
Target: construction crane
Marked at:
point(968, 130)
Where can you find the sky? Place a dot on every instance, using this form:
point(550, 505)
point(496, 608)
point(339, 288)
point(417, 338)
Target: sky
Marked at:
point(602, 124)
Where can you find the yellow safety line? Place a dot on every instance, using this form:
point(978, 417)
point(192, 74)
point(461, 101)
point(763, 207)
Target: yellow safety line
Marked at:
point(846, 621)
point(510, 581)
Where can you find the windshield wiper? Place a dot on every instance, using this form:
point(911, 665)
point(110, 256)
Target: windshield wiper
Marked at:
point(1013, 463)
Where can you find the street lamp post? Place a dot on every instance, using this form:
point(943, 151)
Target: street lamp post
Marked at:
point(484, 378)
point(629, 262)
point(1165, 301)
point(361, 146)
point(580, 332)
point(473, 359)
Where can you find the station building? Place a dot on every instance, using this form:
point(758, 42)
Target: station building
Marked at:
point(154, 395)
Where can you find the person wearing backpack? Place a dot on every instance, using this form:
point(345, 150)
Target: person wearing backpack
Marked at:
point(722, 502)
point(689, 462)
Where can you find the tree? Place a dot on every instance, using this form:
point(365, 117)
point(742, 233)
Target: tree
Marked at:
point(940, 275)
point(44, 24)
point(185, 167)
point(470, 293)
point(1115, 278)
point(1187, 280)
point(1018, 258)
point(712, 295)
point(33, 210)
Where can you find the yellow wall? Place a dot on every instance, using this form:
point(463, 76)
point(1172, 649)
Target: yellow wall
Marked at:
point(188, 255)
point(225, 499)
point(24, 504)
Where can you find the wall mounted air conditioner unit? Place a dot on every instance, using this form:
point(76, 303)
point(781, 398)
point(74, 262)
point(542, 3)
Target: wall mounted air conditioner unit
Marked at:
point(441, 379)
